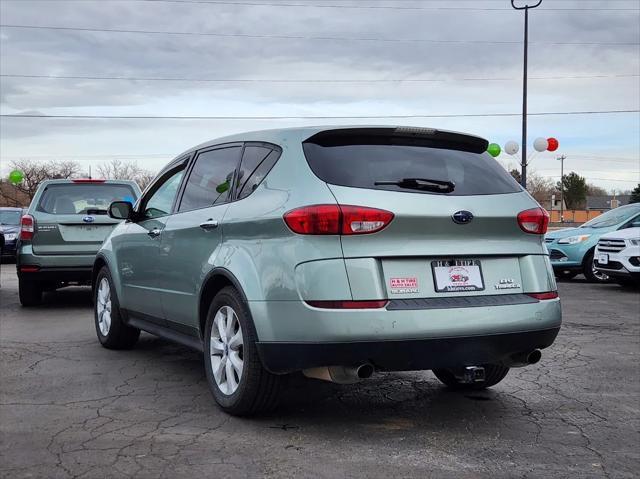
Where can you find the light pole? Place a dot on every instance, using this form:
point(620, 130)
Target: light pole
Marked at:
point(562, 158)
point(524, 87)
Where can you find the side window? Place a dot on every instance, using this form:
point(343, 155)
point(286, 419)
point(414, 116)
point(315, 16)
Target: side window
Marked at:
point(257, 161)
point(161, 201)
point(210, 179)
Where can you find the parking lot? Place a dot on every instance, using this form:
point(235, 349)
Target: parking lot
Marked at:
point(70, 408)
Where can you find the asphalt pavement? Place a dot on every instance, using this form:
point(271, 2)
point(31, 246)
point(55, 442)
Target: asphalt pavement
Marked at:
point(70, 408)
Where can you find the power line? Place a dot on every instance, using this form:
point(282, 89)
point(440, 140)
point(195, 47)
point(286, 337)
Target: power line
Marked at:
point(311, 80)
point(304, 37)
point(377, 7)
point(307, 117)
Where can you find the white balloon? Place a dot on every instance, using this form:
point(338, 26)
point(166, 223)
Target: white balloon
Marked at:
point(511, 147)
point(541, 144)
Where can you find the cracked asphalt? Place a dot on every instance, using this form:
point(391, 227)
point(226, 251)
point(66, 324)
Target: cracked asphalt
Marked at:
point(70, 408)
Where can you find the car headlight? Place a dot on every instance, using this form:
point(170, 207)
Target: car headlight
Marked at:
point(634, 242)
point(10, 236)
point(573, 239)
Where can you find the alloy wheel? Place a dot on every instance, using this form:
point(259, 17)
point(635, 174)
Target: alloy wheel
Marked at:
point(103, 306)
point(226, 349)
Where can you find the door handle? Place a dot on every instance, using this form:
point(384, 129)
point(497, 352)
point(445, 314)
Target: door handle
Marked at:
point(154, 233)
point(208, 225)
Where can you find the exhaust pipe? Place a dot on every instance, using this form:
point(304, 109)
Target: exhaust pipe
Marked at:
point(525, 359)
point(340, 374)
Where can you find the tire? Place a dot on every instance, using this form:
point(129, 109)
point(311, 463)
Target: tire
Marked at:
point(238, 381)
point(111, 330)
point(590, 273)
point(565, 275)
point(494, 373)
point(30, 292)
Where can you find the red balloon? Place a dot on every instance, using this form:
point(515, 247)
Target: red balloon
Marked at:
point(553, 144)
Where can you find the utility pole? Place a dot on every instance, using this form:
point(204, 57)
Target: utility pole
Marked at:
point(562, 158)
point(524, 87)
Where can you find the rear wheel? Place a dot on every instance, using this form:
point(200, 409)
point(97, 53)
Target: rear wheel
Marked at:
point(30, 292)
point(493, 374)
point(112, 332)
point(238, 381)
point(590, 272)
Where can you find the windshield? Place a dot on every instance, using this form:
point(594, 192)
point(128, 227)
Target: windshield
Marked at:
point(9, 217)
point(613, 217)
point(72, 198)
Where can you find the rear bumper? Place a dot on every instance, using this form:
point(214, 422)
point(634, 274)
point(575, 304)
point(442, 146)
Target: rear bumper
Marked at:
point(9, 248)
point(62, 268)
point(63, 275)
point(405, 355)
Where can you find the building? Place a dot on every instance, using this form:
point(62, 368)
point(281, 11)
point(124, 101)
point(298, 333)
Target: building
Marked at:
point(607, 202)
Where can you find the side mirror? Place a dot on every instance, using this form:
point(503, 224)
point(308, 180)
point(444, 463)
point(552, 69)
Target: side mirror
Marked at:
point(121, 210)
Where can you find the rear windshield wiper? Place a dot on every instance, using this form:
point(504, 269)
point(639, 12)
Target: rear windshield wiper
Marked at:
point(96, 211)
point(424, 184)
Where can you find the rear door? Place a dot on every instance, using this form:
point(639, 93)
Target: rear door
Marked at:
point(192, 235)
point(454, 230)
point(71, 218)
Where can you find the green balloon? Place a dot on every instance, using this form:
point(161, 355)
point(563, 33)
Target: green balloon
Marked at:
point(16, 176)
point(493, 149)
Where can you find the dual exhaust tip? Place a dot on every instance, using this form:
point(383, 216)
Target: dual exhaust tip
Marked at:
point(354, 374)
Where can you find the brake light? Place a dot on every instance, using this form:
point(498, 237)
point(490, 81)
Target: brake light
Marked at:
point(337, 220)
point(543, 296)
point(27, 226)
point(87, 180)
point(375, 304)
point(29, 269)
point(534, 221)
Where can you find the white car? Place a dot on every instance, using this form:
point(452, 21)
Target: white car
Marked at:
point(618, 255)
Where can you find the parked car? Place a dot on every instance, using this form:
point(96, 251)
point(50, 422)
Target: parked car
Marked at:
point(572, 250)
point(62, 231)
point(335, 252)
point(10, 229)
point(618, 255)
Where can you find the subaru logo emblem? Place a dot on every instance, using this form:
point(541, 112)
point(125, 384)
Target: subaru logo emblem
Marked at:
point(462, 217)
point(88, 219)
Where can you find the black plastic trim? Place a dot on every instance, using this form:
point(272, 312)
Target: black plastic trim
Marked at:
point(405, 355)
point(460, 302)
point(193, 342)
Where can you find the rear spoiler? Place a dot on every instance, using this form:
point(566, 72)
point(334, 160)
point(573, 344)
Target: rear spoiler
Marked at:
point(402, 135)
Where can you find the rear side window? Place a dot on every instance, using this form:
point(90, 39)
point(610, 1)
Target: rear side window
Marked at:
point(257, 161)
point(83, 198)
point(211, 178)
point(362, 165)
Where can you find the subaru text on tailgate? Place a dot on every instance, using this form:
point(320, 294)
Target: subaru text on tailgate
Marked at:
point(337, 252)
point(62, 231)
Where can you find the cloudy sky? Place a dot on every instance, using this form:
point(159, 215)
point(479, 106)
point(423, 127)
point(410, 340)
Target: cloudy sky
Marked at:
point(333, 58)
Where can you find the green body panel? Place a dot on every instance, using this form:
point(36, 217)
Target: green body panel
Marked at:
point(277, 269)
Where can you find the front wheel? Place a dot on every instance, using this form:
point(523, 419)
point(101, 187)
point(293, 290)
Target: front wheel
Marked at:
point(30, 292)
point(590, 272)
point(111, 330)
point(238, 381)
point(493, 374)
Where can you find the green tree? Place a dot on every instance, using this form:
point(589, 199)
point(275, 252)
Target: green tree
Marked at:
point(635, 195)
point(575, 190)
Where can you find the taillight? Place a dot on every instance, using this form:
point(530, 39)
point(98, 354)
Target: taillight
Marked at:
point(534, 221)
point(337, 220)
point(545, 295)
point(27, 225)
point(374, 304)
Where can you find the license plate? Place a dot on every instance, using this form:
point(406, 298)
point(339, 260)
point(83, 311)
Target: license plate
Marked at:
point(457, 275)
point(603, 258)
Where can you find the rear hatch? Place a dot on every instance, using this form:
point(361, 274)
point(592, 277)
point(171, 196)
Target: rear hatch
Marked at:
point(455, 230)
point(71, 218)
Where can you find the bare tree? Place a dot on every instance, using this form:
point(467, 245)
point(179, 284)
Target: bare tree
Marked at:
point(35, 172)
point(116, 169)
point(539, 187)
point(593, 190)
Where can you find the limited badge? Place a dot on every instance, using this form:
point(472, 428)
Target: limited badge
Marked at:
point(404, 285)
point(507, 283)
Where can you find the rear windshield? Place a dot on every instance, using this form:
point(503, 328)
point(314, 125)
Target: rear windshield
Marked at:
point(362, 165)
point(10, 217)
point(77, 198)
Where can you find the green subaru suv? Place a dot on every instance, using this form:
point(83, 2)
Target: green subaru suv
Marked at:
point(62, 231)
point(337, 252)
